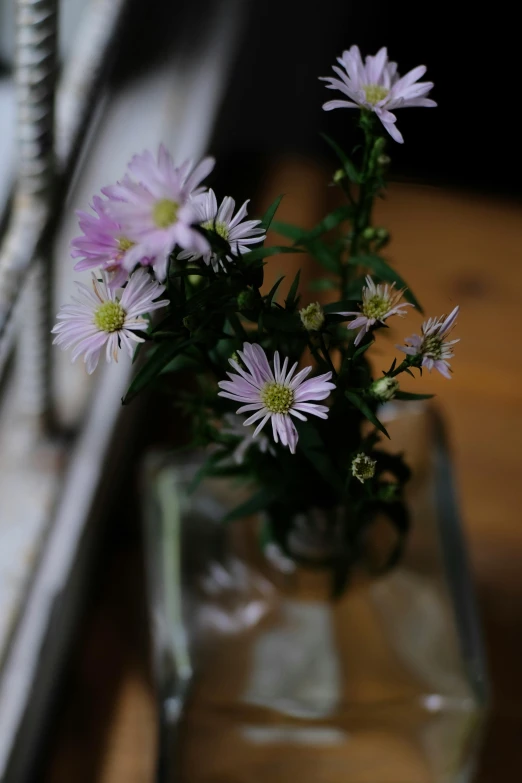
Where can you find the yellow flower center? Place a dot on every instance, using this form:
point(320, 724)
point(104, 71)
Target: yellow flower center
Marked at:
point(375, 93)
point(221, 229)
point(375, 307)
point(276, 397)
point(125, 244)
point(109, 317)
point(165, 212)
point(432, 346)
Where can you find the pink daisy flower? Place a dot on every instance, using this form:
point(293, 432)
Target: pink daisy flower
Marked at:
point(100, 320)
point(237, 232)
point(154, 207)
point(276, 394)
point(375, 85)
point(432, 346)
point(103, 244)
point(379, 302)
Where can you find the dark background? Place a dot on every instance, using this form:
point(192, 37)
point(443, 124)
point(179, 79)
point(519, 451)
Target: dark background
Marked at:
point(273, 105)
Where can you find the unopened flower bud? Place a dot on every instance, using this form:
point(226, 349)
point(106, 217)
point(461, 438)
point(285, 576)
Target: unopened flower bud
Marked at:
point(382, 233)
point(246, 300)
point(312, 317)
point(339, 175)
point(369, 233)
point(384, 389)
point(384, 161)
point(363, 467)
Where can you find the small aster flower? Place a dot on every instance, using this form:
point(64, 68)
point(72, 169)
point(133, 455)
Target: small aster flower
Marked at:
point(103, 244)
point(155, 207)
point(374, 85)
point(312, 317)
point(363, 467)
point(276, 394)
point(434, 349)
point(98, 319)
point(384, 389)
point(235, 425)
point(379, 302)
point(237, 232)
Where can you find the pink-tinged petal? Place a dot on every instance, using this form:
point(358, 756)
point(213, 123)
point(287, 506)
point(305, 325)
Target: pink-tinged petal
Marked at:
point(241, 213)
point(394, 132)
point(201, 171)
point(361, 321)
point(408, 79)
point(300, 377)
point(253, 406)
point(316, 410)
point(329, 105)
point(259, 414)
point(226, 210)
point(442, 367)
point(407, 349)
point(254, 381)
point(260, 425)
point(449, 322)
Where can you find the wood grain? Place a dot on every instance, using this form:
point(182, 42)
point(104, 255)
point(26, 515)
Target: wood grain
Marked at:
point(452, 248)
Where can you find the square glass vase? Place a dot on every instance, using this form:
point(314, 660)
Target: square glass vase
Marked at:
point(263, 675)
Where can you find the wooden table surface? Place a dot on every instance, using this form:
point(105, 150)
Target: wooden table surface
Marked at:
point(452, 248)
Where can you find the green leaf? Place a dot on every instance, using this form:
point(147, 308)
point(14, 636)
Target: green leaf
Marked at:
point(287, 230)
point(348, 166)
point(330, 222)
point(264, 252)
point(362, 349)
point(267, 218)
point(291, 299)
point(258, 502)
point(163, 354)
point(385, 272)
point(273, 290)
point(365, 409)
point(403, 395)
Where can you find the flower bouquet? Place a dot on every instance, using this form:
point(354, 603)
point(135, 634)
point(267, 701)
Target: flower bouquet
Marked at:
point(280, 397)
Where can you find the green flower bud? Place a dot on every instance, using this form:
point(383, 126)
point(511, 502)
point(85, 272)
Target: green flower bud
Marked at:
point(312, 317)
point(246, 300)
point(384, 389)
point(382, 233)
point(363, 467)
point(339, 175)
point(384, 161)
point(379, 146)
point(369, 233)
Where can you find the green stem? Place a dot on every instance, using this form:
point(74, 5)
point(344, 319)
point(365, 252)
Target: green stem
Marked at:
point(327, 355)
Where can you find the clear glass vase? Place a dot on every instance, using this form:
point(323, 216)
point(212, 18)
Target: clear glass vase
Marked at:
point(263, 675)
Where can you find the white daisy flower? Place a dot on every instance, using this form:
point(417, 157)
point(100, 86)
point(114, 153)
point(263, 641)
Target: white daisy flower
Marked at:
point(155, 209)
point(237, 232)
point(379, 302)
point(98, 319)
point(434, 349)
point(276, 394)
point(375, 85)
